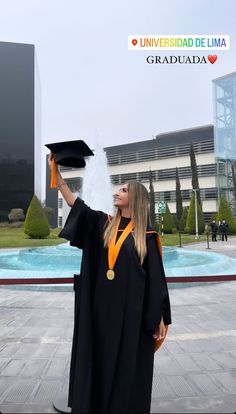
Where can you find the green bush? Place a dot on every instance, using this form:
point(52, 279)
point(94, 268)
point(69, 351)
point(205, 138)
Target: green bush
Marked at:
point(16, 214)
point(36, 225)
point(187, 230)
point(190, 222)
point(225, 212)
point(168, 222)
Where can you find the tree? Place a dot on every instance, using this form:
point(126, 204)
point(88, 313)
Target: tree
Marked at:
point(183, 220)
point(36, 225)
point(179, 203)
point(152, 201)
point(16, 214)
point(195, 183)
point(191, 220)
point(225, 212)
point(175, 221)
point(168, 221)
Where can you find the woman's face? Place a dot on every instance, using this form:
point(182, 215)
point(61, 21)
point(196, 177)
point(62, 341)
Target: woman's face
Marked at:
point(122, 197)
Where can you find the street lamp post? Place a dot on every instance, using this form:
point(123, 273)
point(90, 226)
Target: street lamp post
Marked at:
point(196, 216)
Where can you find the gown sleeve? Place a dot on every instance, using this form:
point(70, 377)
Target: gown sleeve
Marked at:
point(157, 302)
point(80, 222)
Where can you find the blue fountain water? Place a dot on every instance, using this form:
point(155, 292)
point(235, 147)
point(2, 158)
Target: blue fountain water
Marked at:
point(57, 261)
point(178, 262)
point(64, 261)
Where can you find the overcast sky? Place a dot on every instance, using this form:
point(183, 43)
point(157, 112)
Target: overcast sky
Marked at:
point(92, 85)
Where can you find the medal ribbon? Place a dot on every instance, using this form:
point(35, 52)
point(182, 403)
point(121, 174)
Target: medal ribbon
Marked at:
point(114, 247)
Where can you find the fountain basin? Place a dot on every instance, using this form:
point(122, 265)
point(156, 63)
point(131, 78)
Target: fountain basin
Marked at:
point(179, 262)
point(64, 261)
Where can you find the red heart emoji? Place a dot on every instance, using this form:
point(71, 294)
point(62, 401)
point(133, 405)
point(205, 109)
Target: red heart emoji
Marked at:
point(212, 58)
point(134, 42)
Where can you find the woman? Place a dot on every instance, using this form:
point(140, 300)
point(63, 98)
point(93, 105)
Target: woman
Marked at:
point(123, 303)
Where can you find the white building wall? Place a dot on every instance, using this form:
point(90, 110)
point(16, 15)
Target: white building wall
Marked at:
point(162, 164)
point(208, 206)
point(162, 185)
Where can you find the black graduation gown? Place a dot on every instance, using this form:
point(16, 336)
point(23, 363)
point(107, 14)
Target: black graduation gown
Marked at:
point(113, 348)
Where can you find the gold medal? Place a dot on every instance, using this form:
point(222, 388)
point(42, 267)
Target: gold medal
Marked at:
point(114, 247)
point(110, 274)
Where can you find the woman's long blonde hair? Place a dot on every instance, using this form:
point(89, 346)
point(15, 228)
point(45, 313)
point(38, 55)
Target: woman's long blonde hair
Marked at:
point(138, 205)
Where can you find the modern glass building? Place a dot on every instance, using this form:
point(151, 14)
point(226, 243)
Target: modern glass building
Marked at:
point(20, 122)
point(224, 90)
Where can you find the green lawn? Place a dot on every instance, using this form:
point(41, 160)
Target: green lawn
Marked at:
point(10, 237)
point(173, 239)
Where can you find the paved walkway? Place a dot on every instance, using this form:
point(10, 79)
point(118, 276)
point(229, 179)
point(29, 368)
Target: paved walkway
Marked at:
point(228, 248)
point(195, 370)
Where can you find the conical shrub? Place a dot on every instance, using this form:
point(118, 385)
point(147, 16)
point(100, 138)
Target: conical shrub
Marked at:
point(191, 222)
point(36, 224)
point(168, 222)
point(225, 212)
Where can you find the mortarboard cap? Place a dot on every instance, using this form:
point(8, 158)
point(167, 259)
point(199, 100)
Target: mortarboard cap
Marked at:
point(68, 154)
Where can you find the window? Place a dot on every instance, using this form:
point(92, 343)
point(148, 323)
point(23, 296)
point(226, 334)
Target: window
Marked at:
point(167, 174)
point(159, 153)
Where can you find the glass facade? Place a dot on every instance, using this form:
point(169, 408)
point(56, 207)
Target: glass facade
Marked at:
point(16, 127)
point(39, 179)
point(224, 90)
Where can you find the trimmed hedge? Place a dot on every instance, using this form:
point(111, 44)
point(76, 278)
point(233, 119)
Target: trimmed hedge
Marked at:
point(225, 212)
point(16, 214)
point(190, 222)
point(168, 222)
point(36, 224)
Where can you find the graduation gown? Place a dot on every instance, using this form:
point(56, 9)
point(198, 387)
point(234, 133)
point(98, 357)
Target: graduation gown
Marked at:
point(113, 348)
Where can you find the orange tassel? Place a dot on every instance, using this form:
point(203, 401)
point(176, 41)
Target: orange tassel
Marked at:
point(54, 173)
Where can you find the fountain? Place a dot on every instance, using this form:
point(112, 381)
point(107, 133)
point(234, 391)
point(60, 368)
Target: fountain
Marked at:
point(64, 260)
point(97, 190)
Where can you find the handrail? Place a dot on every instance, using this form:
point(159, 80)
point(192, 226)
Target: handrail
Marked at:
point(64, 280)
point(208, 240)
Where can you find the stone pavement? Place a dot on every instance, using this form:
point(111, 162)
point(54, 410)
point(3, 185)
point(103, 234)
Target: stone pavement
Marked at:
point(227, 248)
point(195, 370)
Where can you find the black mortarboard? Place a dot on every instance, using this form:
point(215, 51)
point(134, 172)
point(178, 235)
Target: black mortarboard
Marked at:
point(70, 153)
